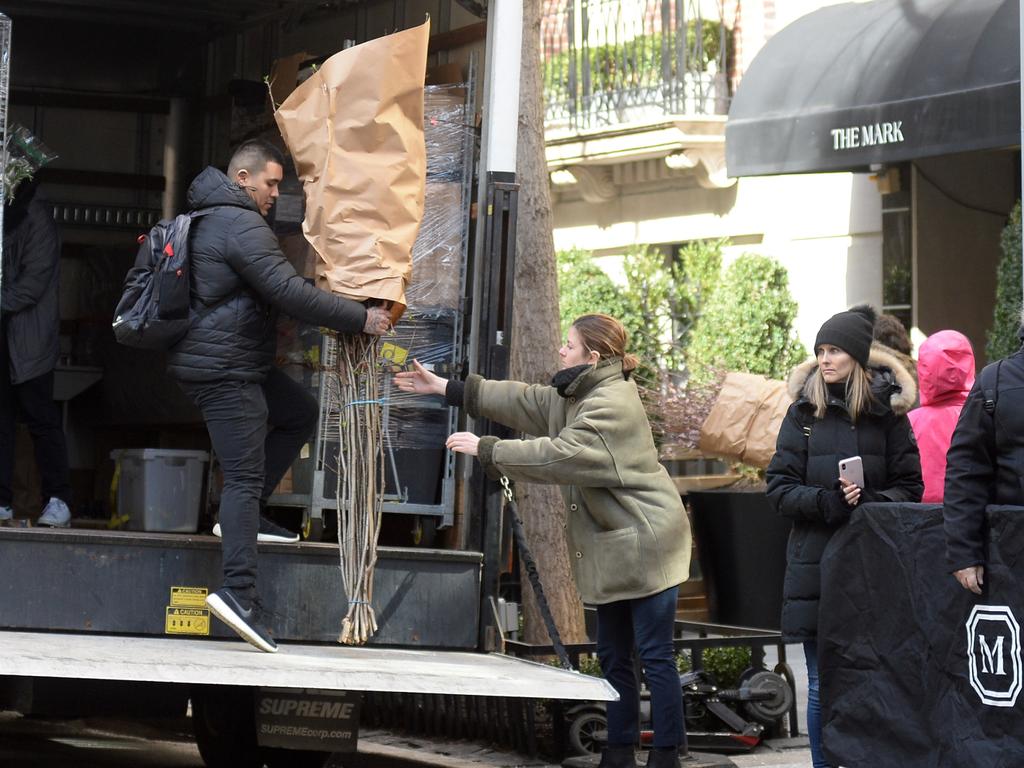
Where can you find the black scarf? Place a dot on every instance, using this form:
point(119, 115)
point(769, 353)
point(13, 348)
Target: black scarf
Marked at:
point(567, 376)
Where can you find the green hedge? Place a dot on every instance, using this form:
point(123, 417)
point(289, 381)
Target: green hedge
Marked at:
point(748, 324)
point(659, 305)
point(1002, 338)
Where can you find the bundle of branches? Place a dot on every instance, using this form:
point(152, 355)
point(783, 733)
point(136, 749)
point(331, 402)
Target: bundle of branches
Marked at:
point(360, 479)
point(678, 411)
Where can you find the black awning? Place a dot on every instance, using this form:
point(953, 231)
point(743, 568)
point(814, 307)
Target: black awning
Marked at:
point(857, 84)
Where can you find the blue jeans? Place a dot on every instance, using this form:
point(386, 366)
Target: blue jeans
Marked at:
point(642, 627)
point(814, 706)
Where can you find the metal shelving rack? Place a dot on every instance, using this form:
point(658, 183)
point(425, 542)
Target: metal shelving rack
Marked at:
point(320, 480)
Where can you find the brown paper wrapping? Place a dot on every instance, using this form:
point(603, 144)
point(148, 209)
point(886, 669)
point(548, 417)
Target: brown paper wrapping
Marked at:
point(355, 132)
point(744, 421)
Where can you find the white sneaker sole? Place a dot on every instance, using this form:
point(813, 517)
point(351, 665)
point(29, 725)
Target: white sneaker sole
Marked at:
point(266, 538)
point(221, 610)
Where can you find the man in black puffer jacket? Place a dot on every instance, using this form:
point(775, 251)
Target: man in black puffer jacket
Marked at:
point(258, 418)
point(984, 464)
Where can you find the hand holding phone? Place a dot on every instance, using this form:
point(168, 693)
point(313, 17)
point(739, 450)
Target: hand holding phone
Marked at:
point(852, 471)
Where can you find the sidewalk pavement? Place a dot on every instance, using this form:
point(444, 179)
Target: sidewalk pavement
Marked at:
point(380, 747)
point(439, 753)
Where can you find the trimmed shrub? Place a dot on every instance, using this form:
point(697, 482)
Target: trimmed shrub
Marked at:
point(659, 305)
point(748, 324)
point(1002, 338)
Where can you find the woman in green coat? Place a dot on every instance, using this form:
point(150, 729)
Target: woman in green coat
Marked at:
point(626, 529)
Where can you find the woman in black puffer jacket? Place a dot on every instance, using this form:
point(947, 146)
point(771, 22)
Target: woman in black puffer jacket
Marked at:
point(851, 400)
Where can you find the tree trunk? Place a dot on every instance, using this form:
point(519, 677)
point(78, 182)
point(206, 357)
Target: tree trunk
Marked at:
point(535, 342)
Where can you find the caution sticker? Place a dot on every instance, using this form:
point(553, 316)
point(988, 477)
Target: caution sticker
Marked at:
point(188, 597)
point(187, 621)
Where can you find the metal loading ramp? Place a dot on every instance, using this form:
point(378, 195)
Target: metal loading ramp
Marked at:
point(342, 668)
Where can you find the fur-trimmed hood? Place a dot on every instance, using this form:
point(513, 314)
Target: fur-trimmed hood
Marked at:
point(887, 375)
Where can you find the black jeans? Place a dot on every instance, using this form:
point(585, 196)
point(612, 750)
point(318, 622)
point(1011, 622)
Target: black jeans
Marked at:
point(257, 430)
point(33, 401)
point(642, 627)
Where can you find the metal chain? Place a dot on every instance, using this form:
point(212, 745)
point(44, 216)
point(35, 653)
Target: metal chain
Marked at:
point(533, 575)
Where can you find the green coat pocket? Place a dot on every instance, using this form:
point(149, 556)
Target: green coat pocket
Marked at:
point(617, 565)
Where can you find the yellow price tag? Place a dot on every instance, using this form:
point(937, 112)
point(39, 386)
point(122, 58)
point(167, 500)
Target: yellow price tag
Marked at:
point(394, 353)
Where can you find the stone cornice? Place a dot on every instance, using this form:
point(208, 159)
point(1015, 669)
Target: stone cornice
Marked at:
point(685, 143)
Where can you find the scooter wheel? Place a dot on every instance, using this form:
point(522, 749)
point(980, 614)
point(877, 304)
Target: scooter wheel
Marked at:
point(588, 733)
point(769, 709)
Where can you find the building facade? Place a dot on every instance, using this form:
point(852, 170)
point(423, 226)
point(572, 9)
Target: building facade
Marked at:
point(640, 94)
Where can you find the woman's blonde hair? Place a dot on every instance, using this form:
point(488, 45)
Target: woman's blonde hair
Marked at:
point(606, 336)
point(858, 392)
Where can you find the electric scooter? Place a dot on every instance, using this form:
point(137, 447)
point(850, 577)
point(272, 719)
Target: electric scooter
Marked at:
point(711, 725)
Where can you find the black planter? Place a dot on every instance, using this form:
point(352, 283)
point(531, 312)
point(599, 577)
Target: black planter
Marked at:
point(741, 542)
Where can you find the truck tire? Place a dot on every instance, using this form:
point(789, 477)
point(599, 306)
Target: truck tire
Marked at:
point(224, 724)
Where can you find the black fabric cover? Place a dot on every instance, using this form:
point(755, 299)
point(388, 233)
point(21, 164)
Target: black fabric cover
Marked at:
point(893, 644)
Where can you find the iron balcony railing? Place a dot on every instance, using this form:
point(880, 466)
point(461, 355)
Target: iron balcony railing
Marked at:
point(609, 62)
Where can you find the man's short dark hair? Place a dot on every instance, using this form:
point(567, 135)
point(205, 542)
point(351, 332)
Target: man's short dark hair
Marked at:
point(889, 330)
point(253, 156)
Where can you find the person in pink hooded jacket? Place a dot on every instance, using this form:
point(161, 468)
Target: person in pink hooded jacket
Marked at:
point(945, 374)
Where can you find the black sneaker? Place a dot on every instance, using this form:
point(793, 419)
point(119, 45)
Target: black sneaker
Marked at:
point(246, 623)
point(269, 531)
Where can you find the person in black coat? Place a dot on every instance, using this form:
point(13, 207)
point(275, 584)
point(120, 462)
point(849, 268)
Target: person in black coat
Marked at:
point(29, 348)
point(984, 465)
point(851, 400)
point(258, 418)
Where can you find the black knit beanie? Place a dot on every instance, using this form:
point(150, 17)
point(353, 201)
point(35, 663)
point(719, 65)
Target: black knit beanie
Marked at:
point(850, 331)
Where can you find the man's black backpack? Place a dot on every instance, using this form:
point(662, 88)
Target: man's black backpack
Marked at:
point(153, 312)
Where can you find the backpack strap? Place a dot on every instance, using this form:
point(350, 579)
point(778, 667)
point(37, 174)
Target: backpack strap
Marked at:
point(989, 383)
point(223, 299)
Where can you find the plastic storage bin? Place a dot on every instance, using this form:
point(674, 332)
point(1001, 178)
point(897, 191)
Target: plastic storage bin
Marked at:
point(160, 489)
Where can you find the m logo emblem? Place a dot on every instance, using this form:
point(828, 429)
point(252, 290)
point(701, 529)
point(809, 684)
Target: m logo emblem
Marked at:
point(993, 654)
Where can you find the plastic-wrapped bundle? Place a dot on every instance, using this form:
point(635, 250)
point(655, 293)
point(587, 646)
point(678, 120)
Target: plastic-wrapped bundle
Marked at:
point(412, 421)
point(26, 154)
point(437, 254)
point(445, 126)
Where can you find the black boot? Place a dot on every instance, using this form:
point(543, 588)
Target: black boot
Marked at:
point(618, 757)
point(665, 757)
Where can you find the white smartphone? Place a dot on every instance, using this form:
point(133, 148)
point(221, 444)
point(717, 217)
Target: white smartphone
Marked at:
point(852, 470)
